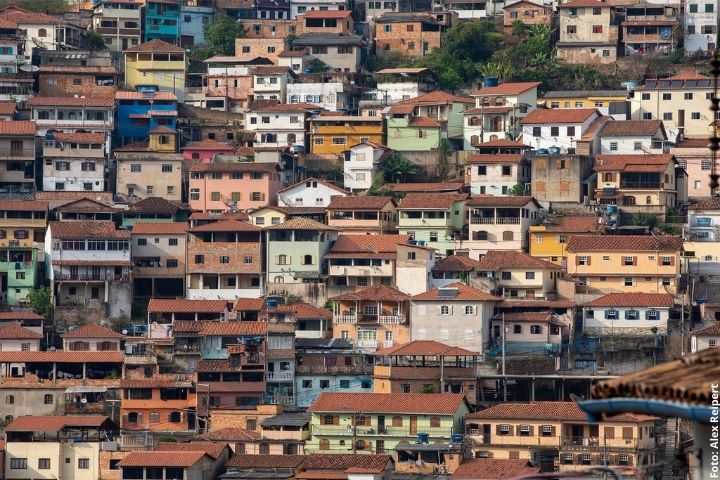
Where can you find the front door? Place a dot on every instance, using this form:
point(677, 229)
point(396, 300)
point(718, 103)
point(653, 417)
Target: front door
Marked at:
point(413, 425)
point(486, 432)
point(381, 423)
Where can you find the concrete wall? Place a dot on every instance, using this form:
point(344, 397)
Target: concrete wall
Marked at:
point(553, 181)
point(466, 330)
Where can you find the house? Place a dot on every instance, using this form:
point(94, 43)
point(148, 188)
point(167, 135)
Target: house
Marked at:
point(205, 150)
point(624, 263)
point(151, 168)
point(633, 136)
point(282, 125)
point(498, 174)
point(92, 337)
point(219, 452)
point(497, 223)
point(69, 114)
point(17, 170)
point(563, 129)
point(13, 45)
point(608, 102)
point(332, 91)
point(700, 235)
point(158, 258)
point(372, 318)
point(34, 446)
point(428, 117)
point(142, 111)
point(86, 209)
point(228, 84)
point(700, 28)
point(332, 365)
point(238, 185)
point(41, 31)
point(362, 164)
point(561, 430)
point(649, 29)
point(425, 187)
point(194, 15)
point(494, 468)
point(528, 334)
point(296, 249)
point(273, 10)
point(268, 46)
point(309, 321)
point(412, 34)
point(181, 464)
point(165, 311)
point(394, 85)
point(341, 52)
point(26, 319)
point(326, 21)
point(92, 74)
point(431, 312)
point(74, 162)
point(286, 433)
point(331, 135)
point(296, 60)
point(453, 269)
point(271, 215)
point(433, 219)
point(645, 183)
point(162, 21)
point(659, 99)
point(692, 155)
point(498, 109)
point(154, 210)
point(270, 82)
point(156, 62)
point(88, 266)
point(562, 180)
point(22, 224)
point(628, 313)
point(468, 9)
point(224, 261)
point(401, 416)
point(363, 214)
point(518, 275)
point(529, 13)
point(14, 338)
point(310, 192)
point(588, 32)
point(704, 338)
point(548, 239)
point(118, 22)
point(302, 8)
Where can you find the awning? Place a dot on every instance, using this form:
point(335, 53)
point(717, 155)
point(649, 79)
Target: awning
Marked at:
point(85, 389)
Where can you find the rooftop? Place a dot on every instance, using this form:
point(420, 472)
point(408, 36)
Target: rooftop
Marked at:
point(512, 88)
point(15, 332)
point(657, 300)
point(367, 246)
point(558, 411)
point(406, 403)
point(425, 187)
point(300, 223)
point(213, 449)
point(92, 330)
point(631, 128)
point(230, 434)
point(455, 263)
point(241, 461)
point(570, 224)
point(319, 181)
point(86, 229)
point(624, 243)
point(510, 259)
point(159, 228)
point(439, 201)
point(82, 101)
point(424, 348)
point(559, 115)
point(165, 458)
point(55, 423)
point(358, 203)
point(225, 226)
point(437, 97)
point(495, 468)
point(486, 158)
point(501, 201)
point(377, 292)
point(155, 46)
point(18, 127)
point(456, 292)
point(180, 305)
point(646, 163)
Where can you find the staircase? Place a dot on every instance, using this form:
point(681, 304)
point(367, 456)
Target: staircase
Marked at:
point(668, 458)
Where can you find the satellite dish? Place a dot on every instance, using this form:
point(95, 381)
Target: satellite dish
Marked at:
point(124, 332)
point(29, 68)
point(83, 400)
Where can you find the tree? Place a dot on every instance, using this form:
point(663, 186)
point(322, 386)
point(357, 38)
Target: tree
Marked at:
point(641, 219)
point(318, 66)
point(398, 169)
point(221, 34)
point(40, 300)
point(516, 190)
point(443, 160)
point(93, 41)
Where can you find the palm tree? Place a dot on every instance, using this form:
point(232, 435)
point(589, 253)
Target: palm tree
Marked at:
point(398, 169)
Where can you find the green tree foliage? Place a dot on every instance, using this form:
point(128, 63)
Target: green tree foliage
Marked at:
point(392, 59)
point(516, 190)
point(644, 220)
point(221, 34)
point(43, 6)
point(318, 66)
point(398, 169)
point(41, 301)
point(443, 160)
point(93, 41)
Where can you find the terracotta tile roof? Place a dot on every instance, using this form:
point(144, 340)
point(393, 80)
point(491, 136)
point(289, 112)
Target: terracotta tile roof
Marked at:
point(441, 201)
point(692, 143)
point(234, 167)
point(712, 203)
point(425, 187)
point(168, 380)
point(712, 330)
point(495, 260)
point(437, 97)
point(140, 146)
point(23, 315)
point(536, 304)
point(327, 14)
point(239, 216)
point(630, 128)
point(271, 70)
point(407, 403)
point(320, 181)
point(401, 109)
point(232, 328)
point(209, 144)
point(155, 46)
point(54, 423)
point(225, 226)
point(377, 292)
point(658, 300)
point(292, 53)
point(212, 449)
point(503, 142)
point(558, 115)
point(494, 468)
point(423, 122)
point(215, 366)
point(77, 69)
point(500, 201)
point(71, 102)
point(18, 127)
point(156, 205)
point(585, 3)
point(159, 228)
point(302, 311)
point(142, 96)
point(249, 462)
point(92, 330)
point(62, 356)
point(464, 293)
point(300, 223)
point(162, 459)
point(248, 304)
point(571, 224)
point(180, 305)
point(86, 229)
point(7, 108)
point(623, 243)
point(537, 317)
point(85, 204)
point(426, 348)
point(367, 246)
point(21, 16)
point(512, 88)
point(232, 434)
point(259, 104)
point(13, 331)
point(7, 25)
point(559, 411)
point(358, 203)
point(79, 137)
point(487, 158)
point(688, 76)
point(344, 461)
point(23, 205)
point(455, 263)
point(634, 163)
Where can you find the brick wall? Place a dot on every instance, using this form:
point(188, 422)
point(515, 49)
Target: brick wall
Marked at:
point(64, 85)
point(105, 472)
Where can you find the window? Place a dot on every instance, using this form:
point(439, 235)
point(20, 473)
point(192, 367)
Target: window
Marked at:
point(712, 343)
point(10, 399)
point(524, 430)
point(469, 310)
point(535, 329)
point(613, 146)
point(504, 430)
point(517, 329)
point(571, 30)
point(652, 314)
point(444, 310)
point(705, 164)
point(597, 29)
point(554, 131)
point(547, 430)
point(199, 258)
point(666, 281)
point(433, 236)
point(667, 116)
point(282, 260)
point(629, 282)
point(709, 8)
point(43, 464)
point(18, 463)
point(48, 399)
point(83, 463)
point(628, 261)
point(411, 256)
point(693, 8)
point(611, 314)
point(529, 275)
point(695, 115)
point(508, 235)
point(536, 132)
point(171, 263)
point(570, 131)
point(583, 260)
point(506, 275)
point(136, 167)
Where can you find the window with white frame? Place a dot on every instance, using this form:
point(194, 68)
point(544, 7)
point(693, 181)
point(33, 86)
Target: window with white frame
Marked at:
point(469, 310)
point(469, 334)
point(524, 430)
point(632, 314)
point(611, 314)
point(504, 429)
point(582, 260)
point(653, 315)
point(623, 459)
point(444, 310)
point(712, 343)
point(629, 281)
point(547, 430)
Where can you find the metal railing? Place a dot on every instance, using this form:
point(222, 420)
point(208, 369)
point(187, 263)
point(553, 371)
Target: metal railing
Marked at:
point(495, 220)
point(85, 277)
point(371, 430)
point(392, 319)
point(275, 376)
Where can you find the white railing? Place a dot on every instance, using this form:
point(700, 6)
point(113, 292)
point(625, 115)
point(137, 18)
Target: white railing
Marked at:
point(274, 376)
point(367, 343)
point(73, 123)
point(345, 319)
point(392, 319)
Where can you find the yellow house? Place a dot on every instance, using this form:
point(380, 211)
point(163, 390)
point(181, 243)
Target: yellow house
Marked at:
point(549, 239)
point(600, 99)
point(335, 134)
point(561, 431)
point(156, 63)
point(624, 263)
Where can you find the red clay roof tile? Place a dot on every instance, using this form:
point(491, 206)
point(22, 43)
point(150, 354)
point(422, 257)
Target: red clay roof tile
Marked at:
point(623, 243)
point(463, 293)
point(92, 330)
point(162, 459)
point(377, 292)
point(441, 201)
point(494, 468)
point(13, 331)
point(558, 115)
point(180, 305)
point(159, 228)
point(407, 403)
point(495, 260)
point(658, 300)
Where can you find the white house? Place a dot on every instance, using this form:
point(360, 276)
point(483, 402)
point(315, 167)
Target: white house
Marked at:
point(295, 60)
point(628, 313)
point(74, 162)
point(42, 31)
point(280, 125)
point(705, 338)
point(301, 7)
point(270, 82)
point(633, 137)
point(497, 174)
point(701, 26)
point(497, 112)
point(703, 237)
point(311, 192)
point(332, 94)
point(362, 162)
point(559, 127)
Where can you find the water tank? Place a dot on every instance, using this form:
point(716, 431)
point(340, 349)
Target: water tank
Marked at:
point(611, 209)
point(422, 437)
point(272, 303)
point(490, 82)
point(456, 438)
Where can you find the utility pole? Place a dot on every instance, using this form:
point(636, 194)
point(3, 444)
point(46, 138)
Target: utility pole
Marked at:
point(503, 360)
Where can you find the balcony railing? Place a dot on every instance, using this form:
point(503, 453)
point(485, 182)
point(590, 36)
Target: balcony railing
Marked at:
point(392, 319)
point(280, 400)
point(345, 319)
point(275, 376)
point(11, 153)
point(91, 277)
point(73, 123)
point(367, 343)
point(631, 184)
point(362, 430)
point(595, 443)
point(495, 220)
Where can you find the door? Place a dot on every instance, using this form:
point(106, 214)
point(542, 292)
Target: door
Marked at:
point(413, 425)
point(486, 432)
point(124, 43)
point(95, 293)
point(381, 423)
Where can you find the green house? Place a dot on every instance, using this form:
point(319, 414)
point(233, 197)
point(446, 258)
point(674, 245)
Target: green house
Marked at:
point(378, 422)
point(433, 220)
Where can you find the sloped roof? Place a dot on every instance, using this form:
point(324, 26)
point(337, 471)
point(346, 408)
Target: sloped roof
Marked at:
point(494, 468)
point(41, 101)
point(320, 181)
point(23, 205)
point(233, 167)
point(54, 423)
point(181, 305)
point(62, 356)
point(631, 128)
point(367, 246)
point(511, 88)
point(358, 203)
point(559, 411)
point(558, 115)
point(86, 229)
point(712, 203)
point(437, 97)
point(345, 461)
point(300, 223)
point(92, 330)
point(213, 449)
point(159, 228)
point(463, 293)
point(165, 458)
point(501, 201)
point(156, 205)
point(495, 260)
point(634, 163)
point(407, 403)
point(455, 263)
point(225, 226)
point(231, 434)
point(21, 16)
point(657, 300)
point(571, 224)
point(712, 330)
point(441, 201)
point(424, 348)
point(18, 127)
point(624, 243)
point(487, 158)
point(155, 46)
point(13, 332)
point(377, 292)
point(79, 137)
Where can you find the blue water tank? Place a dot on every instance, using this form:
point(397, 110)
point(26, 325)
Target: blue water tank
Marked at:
point(612, 209)
point(456, 438)
point(423, 437)
point(490, 82)
point(272, 303)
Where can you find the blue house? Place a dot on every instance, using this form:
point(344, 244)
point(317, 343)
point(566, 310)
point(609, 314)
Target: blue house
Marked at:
point(162, 20)
point(194, 16)
point(143, 110)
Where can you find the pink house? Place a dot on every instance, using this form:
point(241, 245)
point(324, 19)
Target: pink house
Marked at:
point(205, 150)
point(216, 187)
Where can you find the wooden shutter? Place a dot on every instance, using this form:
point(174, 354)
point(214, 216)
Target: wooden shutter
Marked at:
point(609, 433)
point(627, 433)
point(634, 260)
point(577, 259)
point(497, 429)
point(336, 420)
point(630, 459)
point(588, 260)
point(552, 430)
point(532, 431)
point(672, 260)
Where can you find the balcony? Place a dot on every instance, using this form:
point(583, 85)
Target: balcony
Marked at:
point(97, 124)
point(91, 277)
point(223, 293)
point(74, 153)
point(364, 343)
point(345, 319)
point(362, 430)
point(214, 353)
point(361, 270)
point(280, 376)
point(310, 333)
point(279, 400)
point(392, 319)
point(495, 220)
point(594, 443)
point(16, 154)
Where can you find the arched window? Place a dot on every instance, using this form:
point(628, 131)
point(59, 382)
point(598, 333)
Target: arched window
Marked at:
point(282, 260)
point(608, 177)
point(499, 101)
point(175, 417)
point(434, 422)
point(480, 235)
point(42, 33)
point(493, 138)
point(469, 310)
point(628, 200)
point(474, 140)
point(648, 200)
point(10, 399)
point(508, 236)
point(264, 449)
point(48, 399)
point(279, 279)
point(324, 444)
point(474, 121)
point(397, 421)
